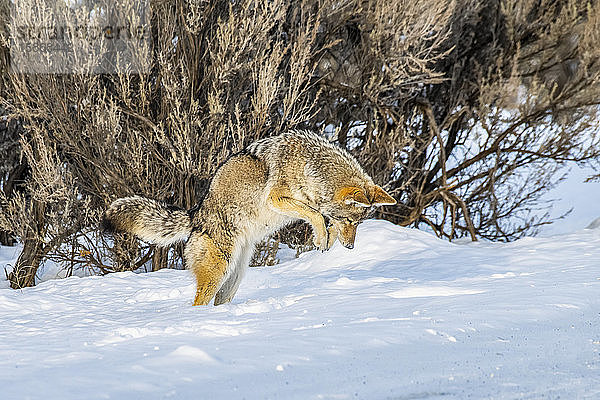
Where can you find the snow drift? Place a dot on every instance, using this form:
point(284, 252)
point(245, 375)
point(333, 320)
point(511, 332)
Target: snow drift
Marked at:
point(402, 316)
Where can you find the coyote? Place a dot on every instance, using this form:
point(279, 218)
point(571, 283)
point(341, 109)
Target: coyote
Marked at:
point(296, 175)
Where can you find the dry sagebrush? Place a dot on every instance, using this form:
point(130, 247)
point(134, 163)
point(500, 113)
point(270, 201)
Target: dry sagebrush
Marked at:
point(467, 113)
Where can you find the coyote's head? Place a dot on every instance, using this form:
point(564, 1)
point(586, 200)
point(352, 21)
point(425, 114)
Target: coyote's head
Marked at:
point(351, 205)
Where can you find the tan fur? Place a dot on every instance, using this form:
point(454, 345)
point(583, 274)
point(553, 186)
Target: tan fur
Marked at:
point(275, 181)
point(209, 264)
point(148, 219)
point(378, 197)
point(352, 194)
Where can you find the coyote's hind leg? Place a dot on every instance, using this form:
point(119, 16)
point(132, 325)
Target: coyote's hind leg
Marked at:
point(229, 287)
point(208, 262)
point(238, 269)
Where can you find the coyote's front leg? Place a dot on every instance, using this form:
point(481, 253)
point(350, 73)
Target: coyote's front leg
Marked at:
point(281, 201)
point(332, 234)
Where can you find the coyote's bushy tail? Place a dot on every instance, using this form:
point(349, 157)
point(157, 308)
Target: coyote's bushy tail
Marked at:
point(150, 220)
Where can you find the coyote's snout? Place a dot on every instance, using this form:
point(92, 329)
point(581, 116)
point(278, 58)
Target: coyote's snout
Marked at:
point(350, 206)
point(273, 182)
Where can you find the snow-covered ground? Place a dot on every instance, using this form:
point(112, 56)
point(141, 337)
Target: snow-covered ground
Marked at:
point(575, 194)
point(402, 316)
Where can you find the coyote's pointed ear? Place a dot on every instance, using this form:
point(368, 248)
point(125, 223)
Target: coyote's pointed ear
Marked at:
point(352, 195)
point(379, 197)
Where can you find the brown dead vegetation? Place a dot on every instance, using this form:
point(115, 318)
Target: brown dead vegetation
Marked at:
point(467, 113)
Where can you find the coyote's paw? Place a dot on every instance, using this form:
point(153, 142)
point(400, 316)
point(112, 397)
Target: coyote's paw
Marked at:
point(320, 240)
point(326, 239)
point(332, 236)
point(321, 236)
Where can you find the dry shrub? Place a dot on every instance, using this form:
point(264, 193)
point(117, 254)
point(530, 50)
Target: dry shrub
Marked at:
point(466, 113)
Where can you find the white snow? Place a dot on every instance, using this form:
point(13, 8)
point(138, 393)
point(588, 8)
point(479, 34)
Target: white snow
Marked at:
point(402, 316)
point(575, 194)
point(8, 256)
